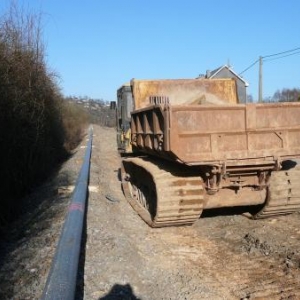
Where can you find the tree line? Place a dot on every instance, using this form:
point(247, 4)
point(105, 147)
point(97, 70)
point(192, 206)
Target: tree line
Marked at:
point(38, 129)
point(283, 95)
point(98, 110)
point(287, 95)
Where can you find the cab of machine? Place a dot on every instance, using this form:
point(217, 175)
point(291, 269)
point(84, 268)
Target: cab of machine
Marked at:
point(124, 107)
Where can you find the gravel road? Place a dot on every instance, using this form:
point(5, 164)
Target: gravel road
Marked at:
point(220, 257)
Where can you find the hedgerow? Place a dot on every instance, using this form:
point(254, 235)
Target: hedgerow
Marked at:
point(37, 130)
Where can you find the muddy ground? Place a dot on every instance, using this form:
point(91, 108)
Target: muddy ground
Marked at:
point(224, 256)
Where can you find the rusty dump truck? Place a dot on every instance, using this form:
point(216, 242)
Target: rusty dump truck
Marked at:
point(188, 145)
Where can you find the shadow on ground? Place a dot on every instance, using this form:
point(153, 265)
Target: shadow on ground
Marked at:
point(120, 292)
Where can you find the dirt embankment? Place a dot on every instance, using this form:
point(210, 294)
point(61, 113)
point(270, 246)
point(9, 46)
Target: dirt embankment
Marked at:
point(28, 245)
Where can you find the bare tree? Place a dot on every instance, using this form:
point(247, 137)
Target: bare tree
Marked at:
point(287, 95)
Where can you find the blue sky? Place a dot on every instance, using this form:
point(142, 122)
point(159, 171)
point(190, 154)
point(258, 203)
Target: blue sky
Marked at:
point(96, 45)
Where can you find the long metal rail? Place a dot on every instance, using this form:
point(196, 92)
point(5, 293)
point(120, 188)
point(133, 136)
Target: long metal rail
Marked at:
point(61, 282)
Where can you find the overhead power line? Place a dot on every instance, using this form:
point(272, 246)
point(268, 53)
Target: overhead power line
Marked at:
point(267, 58)
point(249, 67)
point(291, 52)
point(275, 58)
point(284, 52)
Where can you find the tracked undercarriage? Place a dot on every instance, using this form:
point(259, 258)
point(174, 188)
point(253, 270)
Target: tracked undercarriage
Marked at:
point(164, 194)
point(283, 194)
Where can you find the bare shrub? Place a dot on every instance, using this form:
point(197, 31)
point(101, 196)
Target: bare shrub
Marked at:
point(32, 130)
point(75, 121)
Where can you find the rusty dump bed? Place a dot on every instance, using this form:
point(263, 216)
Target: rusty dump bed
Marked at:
point(184, 91)
point(177, 129)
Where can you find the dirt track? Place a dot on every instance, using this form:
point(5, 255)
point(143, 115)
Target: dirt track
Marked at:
point(219, 257)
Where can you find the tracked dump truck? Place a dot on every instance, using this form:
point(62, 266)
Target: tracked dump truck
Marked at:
point(189, 145)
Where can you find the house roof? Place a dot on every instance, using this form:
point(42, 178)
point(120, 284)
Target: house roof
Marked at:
point(216, 71)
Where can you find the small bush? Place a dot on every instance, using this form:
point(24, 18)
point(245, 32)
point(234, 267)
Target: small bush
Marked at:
point(75, 121)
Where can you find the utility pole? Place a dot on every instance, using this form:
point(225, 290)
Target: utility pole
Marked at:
point(260, 88)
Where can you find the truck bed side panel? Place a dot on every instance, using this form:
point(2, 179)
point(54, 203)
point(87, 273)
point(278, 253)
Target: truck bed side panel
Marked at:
point(199, 134)
point(235, 132)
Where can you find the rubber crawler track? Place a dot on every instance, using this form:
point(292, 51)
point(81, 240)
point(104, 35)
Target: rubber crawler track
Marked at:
point(178, 192)
point(283, 194)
